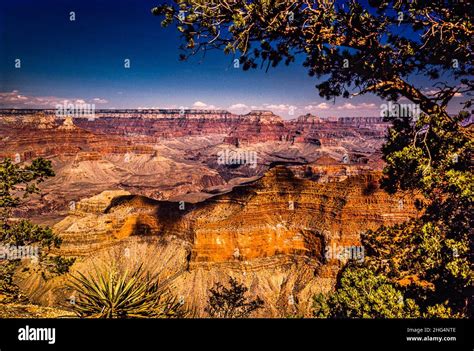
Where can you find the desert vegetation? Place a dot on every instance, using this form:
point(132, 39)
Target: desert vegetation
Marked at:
point(110, 293)
point(425, 263)
point(20, 236)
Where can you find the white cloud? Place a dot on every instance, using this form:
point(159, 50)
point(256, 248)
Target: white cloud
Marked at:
point(350, 106)
point(204, 106)
point(277, 107)
point(99, 101)
point(347, 106)
point(14, 99)
point(199, 104)
point(321, 106)
point(282, 109)
point(234, 106)
point(240, 108)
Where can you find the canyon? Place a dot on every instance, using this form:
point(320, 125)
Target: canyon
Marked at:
point(131, 149)
point(146, 186)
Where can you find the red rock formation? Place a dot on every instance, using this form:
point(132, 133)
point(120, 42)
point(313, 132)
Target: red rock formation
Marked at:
point(278, 225)
point(271, 232)
point(257, 126)
point(149, 126)
point(169, 153)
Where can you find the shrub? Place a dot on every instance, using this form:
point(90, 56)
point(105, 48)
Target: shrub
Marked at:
point(231, 302)
point(363, 294)
point(112, 294)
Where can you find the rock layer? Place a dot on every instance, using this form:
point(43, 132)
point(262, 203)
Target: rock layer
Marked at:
point(268, 225)
point(272, 233)
point(167, 154)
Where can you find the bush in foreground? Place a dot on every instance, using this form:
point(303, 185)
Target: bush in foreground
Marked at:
point(113, 294)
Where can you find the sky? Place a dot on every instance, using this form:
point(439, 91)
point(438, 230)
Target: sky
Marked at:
point(46, 59)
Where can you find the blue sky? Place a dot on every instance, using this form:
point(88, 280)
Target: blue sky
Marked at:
point(83, 60)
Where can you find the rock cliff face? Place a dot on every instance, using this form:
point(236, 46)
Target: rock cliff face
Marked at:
point(43, 135)
point(168, 153)
point(153, 125)
point(272, 233)
point(257, 126)
point(160, 123)
point(152, 187)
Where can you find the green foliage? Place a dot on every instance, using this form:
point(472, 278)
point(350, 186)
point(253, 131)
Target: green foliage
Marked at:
point(441, 311)
point(8, 290)
point(357, 48)
point(427, 259)
point(231, 302)
point(16, 184)
point(114, 294)
point(23, 232)
point(430, 256)
point(365, 48)
point(362, 294)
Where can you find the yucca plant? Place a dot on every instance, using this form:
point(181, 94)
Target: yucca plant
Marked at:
point(112, 294)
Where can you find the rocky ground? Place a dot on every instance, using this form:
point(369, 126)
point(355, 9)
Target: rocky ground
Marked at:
point(32, 311)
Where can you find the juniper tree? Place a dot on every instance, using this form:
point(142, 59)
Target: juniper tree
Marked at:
point(377, 47)
point(17, 183)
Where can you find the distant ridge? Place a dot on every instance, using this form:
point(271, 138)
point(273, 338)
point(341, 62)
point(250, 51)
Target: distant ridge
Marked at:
point(145, 111)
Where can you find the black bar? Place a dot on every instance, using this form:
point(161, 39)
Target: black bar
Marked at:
point(304, 334)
